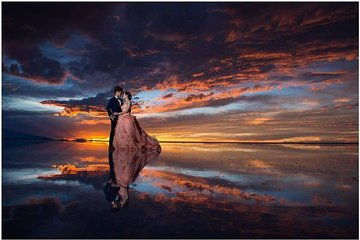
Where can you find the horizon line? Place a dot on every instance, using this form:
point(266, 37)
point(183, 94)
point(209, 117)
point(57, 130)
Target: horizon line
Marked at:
point(164, 141)
point(244, 142)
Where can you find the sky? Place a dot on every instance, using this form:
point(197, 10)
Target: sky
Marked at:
point(198, 71)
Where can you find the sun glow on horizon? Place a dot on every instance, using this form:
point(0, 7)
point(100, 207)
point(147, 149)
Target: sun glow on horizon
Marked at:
point(168, 138)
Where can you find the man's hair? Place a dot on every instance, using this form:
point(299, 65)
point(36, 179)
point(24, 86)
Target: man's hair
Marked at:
point(118, 88)
point(128, 95)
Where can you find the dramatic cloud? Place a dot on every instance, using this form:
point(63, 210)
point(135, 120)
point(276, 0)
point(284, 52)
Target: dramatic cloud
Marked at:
point(221, 60)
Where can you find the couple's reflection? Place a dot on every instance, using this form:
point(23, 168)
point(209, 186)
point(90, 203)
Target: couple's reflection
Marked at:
point(125, 166)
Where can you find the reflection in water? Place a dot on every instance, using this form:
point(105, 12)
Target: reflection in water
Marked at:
point(56, 190)
point(125, 166)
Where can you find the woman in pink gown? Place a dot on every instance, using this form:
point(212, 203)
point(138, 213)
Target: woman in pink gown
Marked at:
point(127, 166)
point(129, 134)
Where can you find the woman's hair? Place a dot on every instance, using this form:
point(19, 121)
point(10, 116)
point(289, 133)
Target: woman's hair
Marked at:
point(128, 94)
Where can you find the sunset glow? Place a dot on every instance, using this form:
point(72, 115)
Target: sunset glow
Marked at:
point(213, 72)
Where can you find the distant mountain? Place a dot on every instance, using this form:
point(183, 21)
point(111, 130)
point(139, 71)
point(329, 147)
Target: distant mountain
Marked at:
point(62, 139)
point(80, 140)
point(12, 135)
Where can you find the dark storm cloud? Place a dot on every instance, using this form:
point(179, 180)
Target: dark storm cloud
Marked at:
point(95, 105)
point(319, 77)
point(28, 25)
point(15, 87)
point(168, 95)
point(100, 98)
point(200, 96)
point(144, 44)
point(34, 66)
point(194, 49)
point(34, 23)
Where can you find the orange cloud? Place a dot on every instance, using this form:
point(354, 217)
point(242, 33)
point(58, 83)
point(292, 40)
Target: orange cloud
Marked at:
point(195, 75)
point(258, 121)
point(200, 100)
point(259, 164)
point(342, 100)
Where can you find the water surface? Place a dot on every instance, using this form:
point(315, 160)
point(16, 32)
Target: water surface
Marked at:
point(204, 190)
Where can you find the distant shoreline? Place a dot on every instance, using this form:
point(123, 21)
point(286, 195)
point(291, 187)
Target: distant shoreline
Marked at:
point(240, 142)
point(267, 142)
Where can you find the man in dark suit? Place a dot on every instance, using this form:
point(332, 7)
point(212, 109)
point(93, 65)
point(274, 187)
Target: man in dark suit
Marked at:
point(113, 106)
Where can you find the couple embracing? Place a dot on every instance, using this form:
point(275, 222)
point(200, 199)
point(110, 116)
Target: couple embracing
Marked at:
point(126, 132)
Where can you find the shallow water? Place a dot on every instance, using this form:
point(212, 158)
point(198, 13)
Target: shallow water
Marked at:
point(203, 190)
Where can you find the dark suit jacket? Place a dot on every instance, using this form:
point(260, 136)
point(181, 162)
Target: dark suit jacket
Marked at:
point(113, 106)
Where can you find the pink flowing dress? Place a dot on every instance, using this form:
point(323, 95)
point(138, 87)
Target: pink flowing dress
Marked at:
point(130, 135)
point(128, 164)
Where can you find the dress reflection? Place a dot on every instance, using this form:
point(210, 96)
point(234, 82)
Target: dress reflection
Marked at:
point(125, 166)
